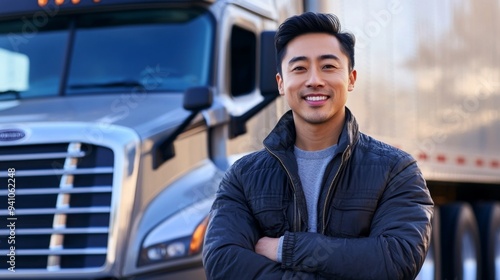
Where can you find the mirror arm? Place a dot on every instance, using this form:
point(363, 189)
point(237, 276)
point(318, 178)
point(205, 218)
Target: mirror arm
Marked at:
point(237, 124)
point(164, 150)
point(196, 99)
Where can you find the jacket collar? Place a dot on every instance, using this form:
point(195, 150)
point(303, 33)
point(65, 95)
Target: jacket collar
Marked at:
point(282, 137)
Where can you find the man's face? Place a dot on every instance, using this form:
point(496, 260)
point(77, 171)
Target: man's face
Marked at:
point(316, 79)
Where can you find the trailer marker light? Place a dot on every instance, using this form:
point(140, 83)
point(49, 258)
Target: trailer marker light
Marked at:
point(460, 160)
point(42, 3)
point(422, 156)
point(441, 158)
point(495, 164)
point(59, 2)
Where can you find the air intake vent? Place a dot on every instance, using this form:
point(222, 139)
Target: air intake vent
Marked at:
point(62, 205)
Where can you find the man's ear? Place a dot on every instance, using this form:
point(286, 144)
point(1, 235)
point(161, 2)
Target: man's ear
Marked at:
point(352, 80)
point(279, 81)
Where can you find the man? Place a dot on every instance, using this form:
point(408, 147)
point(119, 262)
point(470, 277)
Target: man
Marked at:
point(322, 200)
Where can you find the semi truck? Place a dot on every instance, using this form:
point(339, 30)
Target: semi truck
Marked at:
point(119, 117)
point(429, 83)
point(117, 120)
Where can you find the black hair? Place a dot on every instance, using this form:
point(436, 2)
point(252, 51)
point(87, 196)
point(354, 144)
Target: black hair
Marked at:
point(310, 22)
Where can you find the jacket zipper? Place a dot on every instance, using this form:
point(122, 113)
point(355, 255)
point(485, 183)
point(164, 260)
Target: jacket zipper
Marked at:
point(330, 189)
point(296, 213)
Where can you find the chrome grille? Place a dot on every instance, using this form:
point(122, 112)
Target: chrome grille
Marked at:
point(63, 204)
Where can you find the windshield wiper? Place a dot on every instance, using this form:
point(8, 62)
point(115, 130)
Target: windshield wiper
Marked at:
point(117, 84)
point(17, 94)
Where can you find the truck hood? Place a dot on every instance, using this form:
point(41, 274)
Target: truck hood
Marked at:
point(147, 113)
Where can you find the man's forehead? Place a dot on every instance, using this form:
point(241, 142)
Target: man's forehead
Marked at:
point(313, 46)
point(312, 38)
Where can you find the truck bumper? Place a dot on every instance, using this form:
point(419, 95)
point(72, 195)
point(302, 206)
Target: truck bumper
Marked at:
point(194, 273)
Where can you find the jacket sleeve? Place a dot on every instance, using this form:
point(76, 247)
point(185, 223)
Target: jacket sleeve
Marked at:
point(395, 248)
point(228, 251)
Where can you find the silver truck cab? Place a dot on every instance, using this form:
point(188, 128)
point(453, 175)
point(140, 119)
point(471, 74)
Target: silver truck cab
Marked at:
point(118, 119)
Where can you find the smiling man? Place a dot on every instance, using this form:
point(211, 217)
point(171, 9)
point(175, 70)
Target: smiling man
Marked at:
point(315, 79)
point(322, 200)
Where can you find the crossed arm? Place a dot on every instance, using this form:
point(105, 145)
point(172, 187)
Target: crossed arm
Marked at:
point(235, 248)
point(232, 234)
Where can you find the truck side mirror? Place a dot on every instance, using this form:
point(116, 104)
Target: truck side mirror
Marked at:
point(267, 84)
point(198, 98)
point(195, 100)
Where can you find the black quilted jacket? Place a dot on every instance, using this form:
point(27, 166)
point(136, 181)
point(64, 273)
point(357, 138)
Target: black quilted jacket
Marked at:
point(374, 213)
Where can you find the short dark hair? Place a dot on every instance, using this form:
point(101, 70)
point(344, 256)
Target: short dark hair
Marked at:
point(310, 22)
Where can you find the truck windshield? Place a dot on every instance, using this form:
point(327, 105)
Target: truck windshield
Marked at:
point(31, 58)
point(155, 50)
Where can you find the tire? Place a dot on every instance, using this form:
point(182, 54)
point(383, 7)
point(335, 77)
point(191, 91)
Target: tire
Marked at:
point(431, 270)
point(488, 219)
point(460, 245)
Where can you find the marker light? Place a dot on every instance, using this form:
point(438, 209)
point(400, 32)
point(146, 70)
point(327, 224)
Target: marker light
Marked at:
point(199, 234)
point(42, 3)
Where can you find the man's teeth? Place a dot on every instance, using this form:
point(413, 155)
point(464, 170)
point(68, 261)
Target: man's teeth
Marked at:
point(315, 98)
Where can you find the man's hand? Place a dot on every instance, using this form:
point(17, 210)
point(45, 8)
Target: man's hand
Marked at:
point(268, 247)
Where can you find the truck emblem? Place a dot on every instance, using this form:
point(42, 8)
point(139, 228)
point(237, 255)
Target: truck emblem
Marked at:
point(11, 134)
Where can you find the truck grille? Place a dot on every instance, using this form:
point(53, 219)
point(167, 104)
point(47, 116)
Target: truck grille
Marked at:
point(62, 204)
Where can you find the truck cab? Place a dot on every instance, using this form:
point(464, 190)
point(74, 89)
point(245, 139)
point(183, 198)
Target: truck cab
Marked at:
point(118, 119)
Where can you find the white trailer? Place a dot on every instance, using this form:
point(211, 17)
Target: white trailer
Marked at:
point(429, 83)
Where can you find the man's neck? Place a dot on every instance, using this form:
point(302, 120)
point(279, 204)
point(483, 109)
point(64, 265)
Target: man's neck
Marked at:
point(314, 137)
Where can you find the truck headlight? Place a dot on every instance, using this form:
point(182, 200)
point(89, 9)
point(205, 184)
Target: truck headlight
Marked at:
point(179, 236)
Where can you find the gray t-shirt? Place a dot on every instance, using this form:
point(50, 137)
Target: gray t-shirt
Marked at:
point(312, 165)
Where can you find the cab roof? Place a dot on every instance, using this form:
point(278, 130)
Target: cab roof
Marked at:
point(43, 8)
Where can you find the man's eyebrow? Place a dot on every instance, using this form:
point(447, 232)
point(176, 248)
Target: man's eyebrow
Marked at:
point(321, 57)
point(329, 56)
point(297, 58)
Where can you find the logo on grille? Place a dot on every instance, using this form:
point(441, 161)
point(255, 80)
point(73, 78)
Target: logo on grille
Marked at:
point(11, 134)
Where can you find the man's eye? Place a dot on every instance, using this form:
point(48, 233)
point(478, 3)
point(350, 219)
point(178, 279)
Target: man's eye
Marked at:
point(329, 66)
point(298, 68)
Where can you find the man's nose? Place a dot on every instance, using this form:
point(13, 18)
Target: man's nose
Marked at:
point(315, 78)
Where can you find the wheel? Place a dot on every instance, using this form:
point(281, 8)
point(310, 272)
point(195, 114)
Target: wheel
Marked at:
point(460, 245)
point(431, 270)
point(488, 219)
